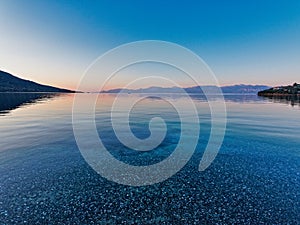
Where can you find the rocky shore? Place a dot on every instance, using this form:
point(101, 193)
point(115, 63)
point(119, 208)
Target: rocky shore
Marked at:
point(281, 91)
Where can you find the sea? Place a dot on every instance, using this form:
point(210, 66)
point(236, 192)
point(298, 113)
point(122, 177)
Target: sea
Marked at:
point(46, 178)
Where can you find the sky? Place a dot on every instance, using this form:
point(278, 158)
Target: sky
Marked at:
point(54, 42)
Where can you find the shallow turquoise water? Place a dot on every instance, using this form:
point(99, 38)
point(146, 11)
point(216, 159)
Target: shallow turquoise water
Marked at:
point(254, 179)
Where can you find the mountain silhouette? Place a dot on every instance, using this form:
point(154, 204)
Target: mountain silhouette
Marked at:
point(11, 83)
point(238, 89)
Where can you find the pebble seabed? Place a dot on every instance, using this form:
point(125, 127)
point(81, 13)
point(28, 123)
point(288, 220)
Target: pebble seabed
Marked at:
point(56, 186)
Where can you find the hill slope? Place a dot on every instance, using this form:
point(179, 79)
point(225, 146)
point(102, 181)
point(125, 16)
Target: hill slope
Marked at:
point(281, 90)
point(10, 83)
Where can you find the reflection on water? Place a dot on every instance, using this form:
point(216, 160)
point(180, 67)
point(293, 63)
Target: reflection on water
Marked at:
point(11, 101)
point(290, 100)
point(239, 98)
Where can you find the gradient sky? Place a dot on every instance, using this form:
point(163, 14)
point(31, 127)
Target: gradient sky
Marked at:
point(53, 42)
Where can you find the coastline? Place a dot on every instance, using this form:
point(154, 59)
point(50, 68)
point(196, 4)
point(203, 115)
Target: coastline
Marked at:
point(277, 95)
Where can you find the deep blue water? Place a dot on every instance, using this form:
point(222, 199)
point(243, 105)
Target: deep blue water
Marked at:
point(44, 179)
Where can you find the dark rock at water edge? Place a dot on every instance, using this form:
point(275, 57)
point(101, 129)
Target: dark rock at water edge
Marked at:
point(290, 90)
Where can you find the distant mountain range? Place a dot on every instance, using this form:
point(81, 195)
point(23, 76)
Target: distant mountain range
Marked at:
point(10, 83)
point(237, 89)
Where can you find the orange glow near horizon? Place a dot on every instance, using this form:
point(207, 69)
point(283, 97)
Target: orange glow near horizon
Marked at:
point(65, 82)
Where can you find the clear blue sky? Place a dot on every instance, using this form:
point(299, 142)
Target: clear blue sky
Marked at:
point(53, 42)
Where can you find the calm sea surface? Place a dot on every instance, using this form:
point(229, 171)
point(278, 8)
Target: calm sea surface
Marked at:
point(44, 179)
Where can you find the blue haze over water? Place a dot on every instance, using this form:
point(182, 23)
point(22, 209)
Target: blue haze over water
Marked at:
point(254, 179)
